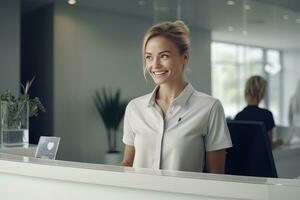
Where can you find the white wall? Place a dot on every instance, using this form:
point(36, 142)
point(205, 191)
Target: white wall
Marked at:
point(10, 45)
point(94, 49)
point(291, 76)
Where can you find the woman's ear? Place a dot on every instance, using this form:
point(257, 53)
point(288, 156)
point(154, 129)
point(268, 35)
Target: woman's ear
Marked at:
point(186, 57)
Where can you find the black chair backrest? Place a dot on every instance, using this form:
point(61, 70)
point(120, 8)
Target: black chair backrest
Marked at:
point(251, 154)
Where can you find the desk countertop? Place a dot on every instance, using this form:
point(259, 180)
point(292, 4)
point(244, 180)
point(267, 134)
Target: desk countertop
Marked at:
point(22, 151)
point(224, 186)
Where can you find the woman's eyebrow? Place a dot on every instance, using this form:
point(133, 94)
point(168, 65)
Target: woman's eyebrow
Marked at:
point(167, 51)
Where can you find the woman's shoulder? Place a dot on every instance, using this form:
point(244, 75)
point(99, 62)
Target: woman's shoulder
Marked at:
point(204, 101)
point(265, 110)
point(140, 101)
point(266, 113)
point(204, 97)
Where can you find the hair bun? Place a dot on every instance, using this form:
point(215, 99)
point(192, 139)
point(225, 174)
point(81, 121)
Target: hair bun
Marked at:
point(182, 25)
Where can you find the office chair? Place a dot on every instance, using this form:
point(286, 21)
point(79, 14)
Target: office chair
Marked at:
point(251, 154)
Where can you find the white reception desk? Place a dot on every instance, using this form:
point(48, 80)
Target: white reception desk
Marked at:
point(30, 178)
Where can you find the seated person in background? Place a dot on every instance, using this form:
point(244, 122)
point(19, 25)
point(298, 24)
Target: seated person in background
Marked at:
point(254, 93)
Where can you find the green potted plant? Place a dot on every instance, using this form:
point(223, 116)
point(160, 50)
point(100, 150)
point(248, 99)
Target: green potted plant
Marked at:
point(111, 109)
point(15, 113)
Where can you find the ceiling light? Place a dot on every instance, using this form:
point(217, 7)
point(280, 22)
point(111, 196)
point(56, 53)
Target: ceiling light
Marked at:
point(72, 2)
point(285, 17)
point(298, 20)
point(230, 3)
point(230, 28)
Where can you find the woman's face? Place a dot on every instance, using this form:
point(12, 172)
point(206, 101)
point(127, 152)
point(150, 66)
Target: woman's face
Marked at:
point(163, 61)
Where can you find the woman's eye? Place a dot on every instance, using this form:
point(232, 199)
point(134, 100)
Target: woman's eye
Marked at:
point(148, 58)
point(164, 56)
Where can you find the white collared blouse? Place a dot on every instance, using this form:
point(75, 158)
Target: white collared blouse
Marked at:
point(194, 123)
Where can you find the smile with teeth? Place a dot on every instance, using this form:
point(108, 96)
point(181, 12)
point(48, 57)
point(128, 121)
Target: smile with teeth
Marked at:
point(159, 73)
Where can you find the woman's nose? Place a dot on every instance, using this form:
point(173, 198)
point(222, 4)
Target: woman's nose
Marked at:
point(156, 62)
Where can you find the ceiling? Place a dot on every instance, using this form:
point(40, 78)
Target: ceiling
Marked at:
point(289, 4)
point(266, 23)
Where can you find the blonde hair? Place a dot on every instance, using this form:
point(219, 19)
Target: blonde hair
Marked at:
point(177, 32)
point(255, 88)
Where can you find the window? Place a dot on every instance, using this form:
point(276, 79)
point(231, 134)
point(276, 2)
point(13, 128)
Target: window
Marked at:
point(233, 64)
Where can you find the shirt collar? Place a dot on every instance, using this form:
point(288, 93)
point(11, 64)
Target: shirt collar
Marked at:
point(151, 101)
point(181, 99)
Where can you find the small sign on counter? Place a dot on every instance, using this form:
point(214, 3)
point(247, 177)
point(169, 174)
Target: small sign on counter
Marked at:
point(47, 147)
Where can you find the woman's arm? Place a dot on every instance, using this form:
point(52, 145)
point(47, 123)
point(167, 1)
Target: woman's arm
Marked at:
point(215, 161)
point(275, 143)
point(128, 156)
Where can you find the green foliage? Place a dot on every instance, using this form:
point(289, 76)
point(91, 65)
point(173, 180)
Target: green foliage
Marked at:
point(17, 104)
point(111, 110)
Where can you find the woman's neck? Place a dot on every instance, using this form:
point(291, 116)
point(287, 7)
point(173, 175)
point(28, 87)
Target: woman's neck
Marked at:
point(253, 102)
point(168, 92)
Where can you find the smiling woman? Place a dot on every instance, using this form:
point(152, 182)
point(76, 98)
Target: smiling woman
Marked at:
point(172, 127)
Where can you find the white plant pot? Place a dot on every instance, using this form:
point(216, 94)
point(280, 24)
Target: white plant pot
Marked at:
point(113, 158)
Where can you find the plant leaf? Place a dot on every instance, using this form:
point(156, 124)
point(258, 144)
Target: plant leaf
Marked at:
point(111, 110)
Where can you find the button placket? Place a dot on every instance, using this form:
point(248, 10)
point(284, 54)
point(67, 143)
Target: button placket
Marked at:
point(165, 124)
point(163, 128)
point(160, 135)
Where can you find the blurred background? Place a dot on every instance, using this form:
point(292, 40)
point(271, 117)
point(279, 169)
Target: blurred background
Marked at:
point(74, 48)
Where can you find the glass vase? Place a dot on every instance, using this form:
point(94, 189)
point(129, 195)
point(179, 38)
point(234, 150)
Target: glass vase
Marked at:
point(14, 124)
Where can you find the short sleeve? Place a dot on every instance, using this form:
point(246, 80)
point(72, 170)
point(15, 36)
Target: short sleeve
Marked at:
point(217, 136)
point(128, 134)
point(270, 123)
